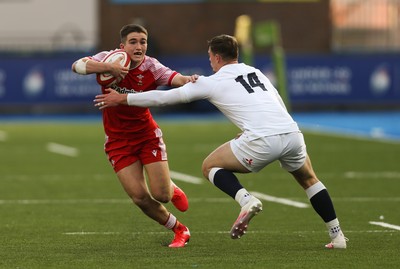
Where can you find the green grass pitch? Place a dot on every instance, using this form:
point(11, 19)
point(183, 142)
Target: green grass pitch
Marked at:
point(64, 207)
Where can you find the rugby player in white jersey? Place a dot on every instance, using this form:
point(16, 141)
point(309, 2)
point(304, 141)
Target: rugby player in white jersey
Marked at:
point(249, 100)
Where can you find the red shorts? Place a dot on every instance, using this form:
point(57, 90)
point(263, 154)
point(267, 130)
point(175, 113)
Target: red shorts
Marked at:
point(147, 149)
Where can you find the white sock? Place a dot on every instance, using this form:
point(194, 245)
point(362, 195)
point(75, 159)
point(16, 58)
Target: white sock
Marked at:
point(171, 221)
point(314, 189)
point(242, 197)
point(211, 174)
point(333, 228)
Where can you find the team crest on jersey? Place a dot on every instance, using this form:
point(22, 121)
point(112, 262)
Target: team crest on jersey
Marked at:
point(248, 162)
point(140, 79)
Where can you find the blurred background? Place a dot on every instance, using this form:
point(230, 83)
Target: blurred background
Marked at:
point(337, 55)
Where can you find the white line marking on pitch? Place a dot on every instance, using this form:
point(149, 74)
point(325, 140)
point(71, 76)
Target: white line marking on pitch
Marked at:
point(367, 199)
point(92, 233)
point(186, 178)
point(62, 149)
point(278, 200)
point(386, 225)
point(67, 201)
point(383, 174)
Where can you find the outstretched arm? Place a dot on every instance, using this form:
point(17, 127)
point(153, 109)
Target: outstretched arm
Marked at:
point(146, 99)
point(113, 98)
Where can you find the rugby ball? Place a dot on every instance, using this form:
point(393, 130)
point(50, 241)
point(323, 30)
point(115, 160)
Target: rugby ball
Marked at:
point(106, 79)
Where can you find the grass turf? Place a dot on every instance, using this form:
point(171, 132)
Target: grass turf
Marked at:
point(59, 211)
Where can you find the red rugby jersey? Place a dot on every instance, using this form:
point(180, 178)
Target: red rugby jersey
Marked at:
point(129, 122)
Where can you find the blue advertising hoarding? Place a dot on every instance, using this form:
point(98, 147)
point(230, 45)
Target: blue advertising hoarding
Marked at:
point(42, 81)
point(344, 79)
point(341, 80)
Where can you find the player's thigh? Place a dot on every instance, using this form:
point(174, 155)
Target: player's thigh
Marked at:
point(133, 181)
point(256, 153)
point(295, 152)
point(159, 180)
point(222, 157)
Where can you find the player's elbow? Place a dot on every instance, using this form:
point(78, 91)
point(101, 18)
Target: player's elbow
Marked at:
point(79, 66)
point(73, 67)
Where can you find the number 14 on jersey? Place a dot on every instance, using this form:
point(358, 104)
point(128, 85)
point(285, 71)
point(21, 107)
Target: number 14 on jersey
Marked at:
point(253, 82)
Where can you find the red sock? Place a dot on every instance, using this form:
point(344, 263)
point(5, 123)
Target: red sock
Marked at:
point(179, 227)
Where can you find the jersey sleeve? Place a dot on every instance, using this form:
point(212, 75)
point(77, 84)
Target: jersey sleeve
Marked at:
point(201, 89)
point(185, 94)
point(155, 98)
point(162, 75)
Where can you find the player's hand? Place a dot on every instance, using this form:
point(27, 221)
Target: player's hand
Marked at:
point(110, 99)
point(116, 70)
point(192, 78)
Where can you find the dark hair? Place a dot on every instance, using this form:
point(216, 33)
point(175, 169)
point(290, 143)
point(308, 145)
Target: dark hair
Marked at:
point(130, 28)
point(224, 45)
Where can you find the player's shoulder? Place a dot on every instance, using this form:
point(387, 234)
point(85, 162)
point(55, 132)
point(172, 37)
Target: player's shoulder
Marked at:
point(247, 67)
point(235, 68)
point(151, 60)
point(229, 71)
point(208, 83)
point(151, 63)
point(205, 79)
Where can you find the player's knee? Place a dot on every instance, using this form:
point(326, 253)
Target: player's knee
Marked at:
point(306, 183)
point(141, 201)
point(306, 180)
point(205, 168)
point(162, 197)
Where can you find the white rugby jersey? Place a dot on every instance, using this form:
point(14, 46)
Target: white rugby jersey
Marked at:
point(241, 92)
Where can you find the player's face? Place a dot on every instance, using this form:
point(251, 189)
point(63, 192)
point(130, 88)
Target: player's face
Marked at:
point(213, 60)
point(136, 46)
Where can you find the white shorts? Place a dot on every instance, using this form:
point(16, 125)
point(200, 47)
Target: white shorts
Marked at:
point(289, 149)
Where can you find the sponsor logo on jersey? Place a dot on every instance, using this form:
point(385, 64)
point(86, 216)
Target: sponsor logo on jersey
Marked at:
point(124, 89)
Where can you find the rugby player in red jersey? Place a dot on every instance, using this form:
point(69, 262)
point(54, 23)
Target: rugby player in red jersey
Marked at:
point(134, 141)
